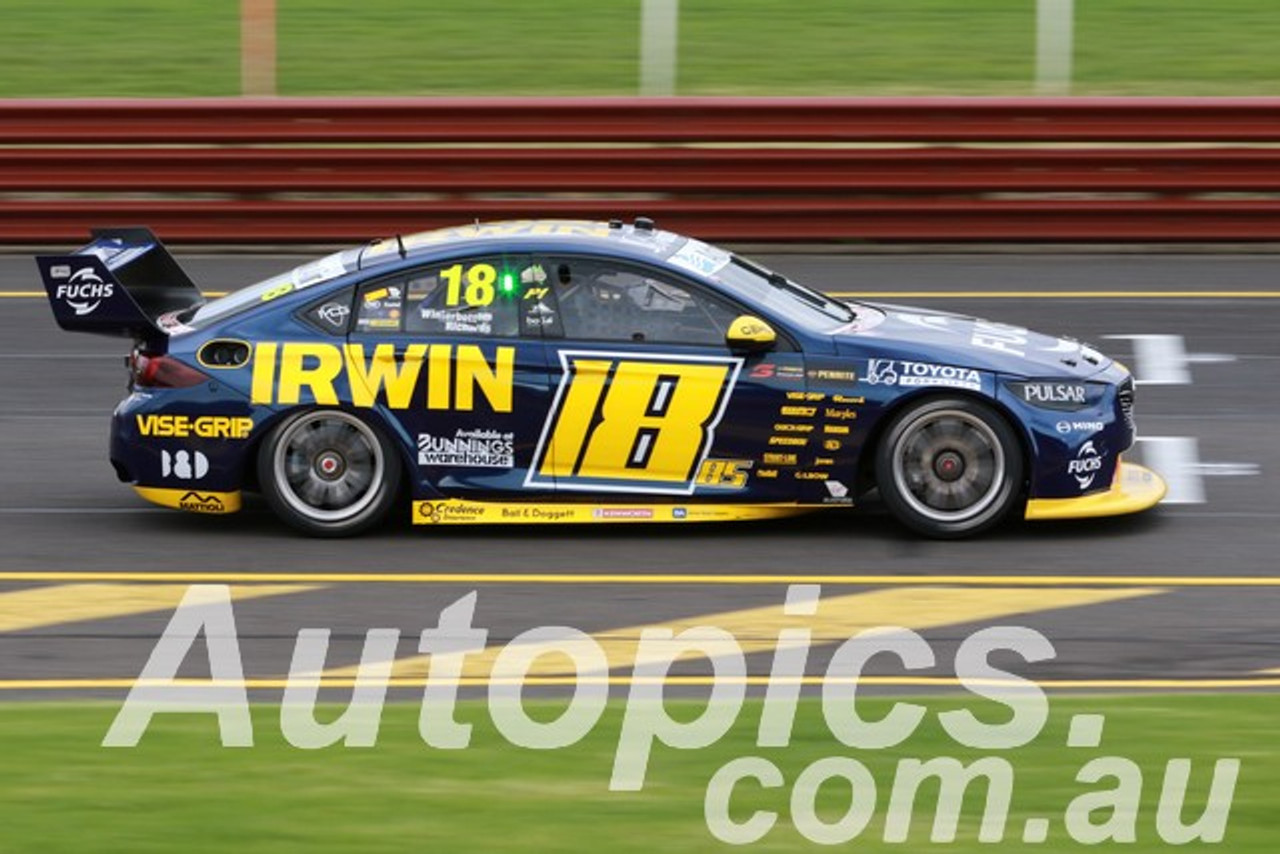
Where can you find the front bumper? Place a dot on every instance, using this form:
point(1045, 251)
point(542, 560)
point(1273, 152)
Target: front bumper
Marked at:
point(1133, 490)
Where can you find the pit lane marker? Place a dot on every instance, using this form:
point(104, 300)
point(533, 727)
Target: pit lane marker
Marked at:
point(39, 607)
point(755, 630)
point(462, 578)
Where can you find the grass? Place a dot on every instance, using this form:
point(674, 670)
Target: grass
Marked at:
point(178, 790)
point(556, 47)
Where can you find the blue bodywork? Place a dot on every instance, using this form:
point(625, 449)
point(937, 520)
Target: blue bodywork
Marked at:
point(807, 412)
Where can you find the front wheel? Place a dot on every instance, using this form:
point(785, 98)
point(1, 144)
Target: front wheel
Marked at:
point(949, 468)
point(328, 473)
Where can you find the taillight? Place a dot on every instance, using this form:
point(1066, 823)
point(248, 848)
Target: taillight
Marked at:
point(163, 372)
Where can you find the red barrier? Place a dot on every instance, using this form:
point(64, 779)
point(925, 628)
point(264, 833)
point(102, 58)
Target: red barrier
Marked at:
point(938, 169)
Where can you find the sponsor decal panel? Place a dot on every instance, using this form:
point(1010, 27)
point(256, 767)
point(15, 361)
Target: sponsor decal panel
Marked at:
point(1065, 427)
point(724, 474)
point(84, 290)
point(906, 373)
point(1066, 396)
point(473, 448)
point(833, 375)
point(196, 502)
point(769, 371)
point(462, 512)
point(1001, 337)
point(200, 426)
point(334, 314)
point(1085, 467)
point(434, 377)
point(184, 465)
point(808, 396)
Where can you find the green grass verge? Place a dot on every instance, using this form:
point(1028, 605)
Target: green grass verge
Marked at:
point(390, 47)
point(179, 791)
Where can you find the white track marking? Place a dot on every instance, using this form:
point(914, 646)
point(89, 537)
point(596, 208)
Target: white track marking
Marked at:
point(1164, 360)
point(1177, 460)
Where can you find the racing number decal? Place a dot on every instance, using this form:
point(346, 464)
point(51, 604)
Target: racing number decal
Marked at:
point(479, 290)
point(625, 423)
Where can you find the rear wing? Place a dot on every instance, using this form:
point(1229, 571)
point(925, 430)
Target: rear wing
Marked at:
point(121, 283)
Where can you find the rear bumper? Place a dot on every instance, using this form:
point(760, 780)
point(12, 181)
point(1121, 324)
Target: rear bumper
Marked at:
point(1133, 490)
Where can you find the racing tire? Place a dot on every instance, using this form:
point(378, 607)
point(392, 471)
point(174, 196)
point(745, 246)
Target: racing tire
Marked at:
point(949, 468)
point(328, 473)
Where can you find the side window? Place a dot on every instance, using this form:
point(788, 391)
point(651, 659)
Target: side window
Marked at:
point(472, 296)
point(603, 300)
point(332, 314)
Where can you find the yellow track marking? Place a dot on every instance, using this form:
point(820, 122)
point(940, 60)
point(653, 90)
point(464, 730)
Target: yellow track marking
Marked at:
point(537, 578)
point(22, 610)
point(837, 619)
point(1201, 684)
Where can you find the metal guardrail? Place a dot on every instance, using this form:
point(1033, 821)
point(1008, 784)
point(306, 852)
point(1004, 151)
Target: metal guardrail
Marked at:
point(936, 169)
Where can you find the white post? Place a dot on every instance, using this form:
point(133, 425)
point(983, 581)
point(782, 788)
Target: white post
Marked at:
point(1054, 24)
point(658, 46)
point(257, 47)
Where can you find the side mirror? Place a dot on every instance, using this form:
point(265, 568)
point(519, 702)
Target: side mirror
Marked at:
point(751, 334)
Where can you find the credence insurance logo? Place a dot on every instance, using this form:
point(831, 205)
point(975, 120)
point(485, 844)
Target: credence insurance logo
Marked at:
point(1107, 813)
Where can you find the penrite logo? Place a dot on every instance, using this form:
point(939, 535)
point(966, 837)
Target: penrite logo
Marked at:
point(197, 503)
point(84, 290)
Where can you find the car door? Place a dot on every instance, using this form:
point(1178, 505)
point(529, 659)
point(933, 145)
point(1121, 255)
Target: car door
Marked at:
point(650, 402)
point(444, 350)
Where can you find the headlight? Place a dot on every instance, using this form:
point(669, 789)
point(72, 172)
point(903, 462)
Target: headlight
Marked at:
point(1059, 395)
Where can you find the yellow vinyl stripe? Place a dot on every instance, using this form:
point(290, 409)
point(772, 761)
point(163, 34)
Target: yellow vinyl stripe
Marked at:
point(23, 610)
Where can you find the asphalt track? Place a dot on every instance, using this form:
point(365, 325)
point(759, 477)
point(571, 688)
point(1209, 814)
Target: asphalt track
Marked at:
point(1187, 596)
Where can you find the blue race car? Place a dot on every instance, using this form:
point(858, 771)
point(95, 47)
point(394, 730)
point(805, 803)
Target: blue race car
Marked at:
point(553, 371)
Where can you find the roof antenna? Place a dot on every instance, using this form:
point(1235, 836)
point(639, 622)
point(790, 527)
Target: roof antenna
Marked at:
point(400, 246)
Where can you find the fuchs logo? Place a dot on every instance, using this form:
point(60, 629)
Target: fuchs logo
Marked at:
point(902, 373)
point(1085, 467)
point(1053, 395)
point(84, 291)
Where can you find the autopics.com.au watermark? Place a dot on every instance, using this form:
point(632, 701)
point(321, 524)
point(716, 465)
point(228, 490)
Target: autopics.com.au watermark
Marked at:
point(1106, 809)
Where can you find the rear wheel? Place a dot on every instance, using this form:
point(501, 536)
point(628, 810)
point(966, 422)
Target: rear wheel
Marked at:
point(949, 467)
point(328, 473)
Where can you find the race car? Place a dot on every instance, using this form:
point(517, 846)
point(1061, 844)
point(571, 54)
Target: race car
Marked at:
point(552, 371)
